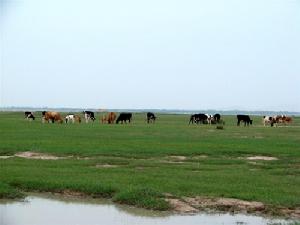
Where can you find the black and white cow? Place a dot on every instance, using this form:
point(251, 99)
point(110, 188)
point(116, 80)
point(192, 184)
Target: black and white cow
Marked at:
point(198, 118)
point(269, 120)
point(150, 117)
point(123, 117)
point(89, 115)
point(245, 118)
point(29, 115)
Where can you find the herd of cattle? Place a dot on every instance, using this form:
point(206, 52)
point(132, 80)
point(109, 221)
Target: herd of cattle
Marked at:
point(110, 118)
point(124, 117)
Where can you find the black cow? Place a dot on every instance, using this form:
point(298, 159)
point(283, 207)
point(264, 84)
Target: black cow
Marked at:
point(217, 117)
point(123, 117)
point(89, 115)
point(29, 115)
point(245, 118)
point(151, 117)
point(198, 118)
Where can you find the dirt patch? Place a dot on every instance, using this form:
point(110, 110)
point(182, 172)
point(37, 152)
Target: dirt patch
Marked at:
point(177, 157)
point(228, 204)
point(70, 193)
point(36, 155)
point(199, 157)
point(295, 213)
point(197, 204)
point(6, 156)
point(181, 206)
point(266, 158)
point(106, 166)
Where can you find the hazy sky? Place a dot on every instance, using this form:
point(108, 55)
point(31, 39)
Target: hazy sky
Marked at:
point(188, 54)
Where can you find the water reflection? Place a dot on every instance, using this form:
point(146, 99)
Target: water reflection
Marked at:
point(37, 210)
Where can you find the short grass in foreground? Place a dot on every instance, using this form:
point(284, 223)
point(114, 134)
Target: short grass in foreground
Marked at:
point(132, 163)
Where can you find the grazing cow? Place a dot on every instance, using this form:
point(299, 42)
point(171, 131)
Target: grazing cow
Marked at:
point(269, 120)
point(29, 115)
point(288, 119)
point(51, 117)
point(198, 118)
point(89, 115)
point(217, 117)
point(150, 117)
point(283, 119)
point(72, 118)
point(245, 118)
point(123, 117)
point(103, 119)
point(109, 118)
point(209, 118)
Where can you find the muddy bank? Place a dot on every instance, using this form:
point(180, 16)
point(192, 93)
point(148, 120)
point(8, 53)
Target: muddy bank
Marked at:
point(199, 204)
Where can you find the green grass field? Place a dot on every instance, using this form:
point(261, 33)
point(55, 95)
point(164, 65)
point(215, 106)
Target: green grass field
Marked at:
point(133, 163)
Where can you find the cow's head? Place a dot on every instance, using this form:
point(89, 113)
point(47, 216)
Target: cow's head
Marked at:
point(251, 122)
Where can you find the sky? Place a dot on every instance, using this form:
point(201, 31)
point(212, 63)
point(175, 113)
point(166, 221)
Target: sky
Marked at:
point(171, 54)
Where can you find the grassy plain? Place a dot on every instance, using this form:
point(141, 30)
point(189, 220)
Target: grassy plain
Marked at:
point(137, 163)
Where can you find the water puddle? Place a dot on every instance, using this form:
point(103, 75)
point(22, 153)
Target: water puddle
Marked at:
point(51, 210)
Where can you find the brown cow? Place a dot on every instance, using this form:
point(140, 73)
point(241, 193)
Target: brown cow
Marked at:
point(283, 119)
point(287, 119)
point(103, 119)
point(109, 118)
point(51, 117)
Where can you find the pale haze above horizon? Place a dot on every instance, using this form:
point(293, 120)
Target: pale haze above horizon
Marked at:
point(151, 54)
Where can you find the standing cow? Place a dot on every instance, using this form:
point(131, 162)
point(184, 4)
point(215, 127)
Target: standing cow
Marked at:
point(269, 120)
point(51, 117)
point(217, 118)
point(198, 118)
point(72, 118)
point(123, 117)
point(109, 118)
point(150, 117)
point(89, 115)
point(245, 118)
point(29, 115)
point(283, 119)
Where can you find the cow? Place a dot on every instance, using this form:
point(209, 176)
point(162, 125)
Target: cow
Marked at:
point(29, 115)
point(198, 118)
point(283, 119)
point(51, 117)
point(269, 120)
point(288, 119)
point(217, 117)
point(109, 118)
point(103, 119)
point(150, 117)
point(73, 118)
point(245, 118)
point(209, 118)
point(89, 115)
point(123, 117)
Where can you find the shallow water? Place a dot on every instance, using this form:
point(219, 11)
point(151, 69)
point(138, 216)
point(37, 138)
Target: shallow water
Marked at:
point(46, 210)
